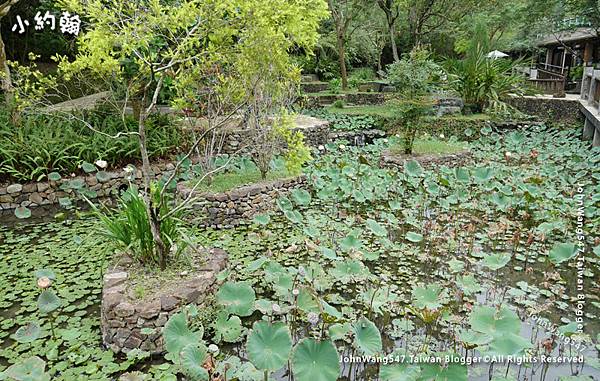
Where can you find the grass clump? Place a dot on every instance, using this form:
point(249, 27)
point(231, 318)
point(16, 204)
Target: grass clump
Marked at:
point(431, 146)
point(227, 181)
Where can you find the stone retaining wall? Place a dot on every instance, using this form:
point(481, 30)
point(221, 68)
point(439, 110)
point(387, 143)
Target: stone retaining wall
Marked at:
point(228, 209)
point(315, 133)
point(357, 138)
point(550, 110)
point(392, 160)
point(123, 318)
point(50, 192)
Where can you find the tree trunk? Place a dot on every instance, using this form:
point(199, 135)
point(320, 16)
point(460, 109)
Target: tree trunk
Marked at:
point(341, 45)
point(392, 27)
point(6, 81)
point(153, 213)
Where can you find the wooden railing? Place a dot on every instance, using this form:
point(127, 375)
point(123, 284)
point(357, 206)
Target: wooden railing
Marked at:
point(549, 86)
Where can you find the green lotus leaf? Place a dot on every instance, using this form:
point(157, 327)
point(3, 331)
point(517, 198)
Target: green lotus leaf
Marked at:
point(413, 168)
point(284, 204)
point(32, 369)
point(399, 372)
point(483, 174)
point(338, 331)
point(469, 284)
point(262, 219)
point(328, 253)
point(414, 237)
point(293, 215)
point(476, 338)
point(54, 176)
point(22, 212)
point(367, 337)
point(307, 301)
point(76, 184)
point(269, 345)
point(496, 261)
point(508, 344)
point(192, 359)
point(237, 298)
point(48, 301)
point(88, 167)
point(452, 372)
point(65, 202)
point(494, 322)
point(301, 197)
point(562, 252)
point(315, 361)
point(45, 273)
point(350, 242)
point(229, 330)
point(177, 335)
point(462, 175)
point(431, 296)
point(377, 228)
point(28, 333)
point(103, 176)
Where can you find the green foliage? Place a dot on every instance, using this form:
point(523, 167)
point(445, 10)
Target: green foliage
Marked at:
point(343, 122)
point(484, 83)
point(237, 298)
point(29, 152)
point(408, 121)
point(296, 153)
point(269, 345)
point(335, 86)
point(129, 227)
point(315, 361)
point(416, 74)
point(338, 104)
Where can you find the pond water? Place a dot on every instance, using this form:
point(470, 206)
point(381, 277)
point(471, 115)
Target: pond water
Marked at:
point(483, 238)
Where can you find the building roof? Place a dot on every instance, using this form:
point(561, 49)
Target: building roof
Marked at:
point(579, 34)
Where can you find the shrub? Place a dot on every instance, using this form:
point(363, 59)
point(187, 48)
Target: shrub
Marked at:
point(338, 104)
point(408, 121)
point(415, 74)
point(344, 122)
point(363, 74)
point(484, 82)
point(335, 85)
point(53, 143)
point(129, 227)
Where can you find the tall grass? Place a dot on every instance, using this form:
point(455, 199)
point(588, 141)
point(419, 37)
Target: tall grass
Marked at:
point(129, 227)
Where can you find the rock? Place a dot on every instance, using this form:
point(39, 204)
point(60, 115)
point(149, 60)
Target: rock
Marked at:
point(14, 188)
point(114, 279)
point(163, 317)
point(6, 199)
point(168, 303)
point(36, 198)
point(124, 309)
point(150, 309)
point(29, 188)
point(91, 181)
point(42, 187)
point(132, 342)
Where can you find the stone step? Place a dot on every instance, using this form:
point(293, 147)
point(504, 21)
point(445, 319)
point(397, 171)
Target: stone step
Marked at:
point(309, 78)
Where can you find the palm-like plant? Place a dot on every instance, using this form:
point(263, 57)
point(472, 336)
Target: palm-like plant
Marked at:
point(484, 83)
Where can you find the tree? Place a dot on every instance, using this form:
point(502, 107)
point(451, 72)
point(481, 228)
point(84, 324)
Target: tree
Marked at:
point(6, 78)
point(391, 8)
point(343, 13)
point(139, 46)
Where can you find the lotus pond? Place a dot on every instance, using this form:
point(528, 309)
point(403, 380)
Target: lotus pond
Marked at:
point(500, 258)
